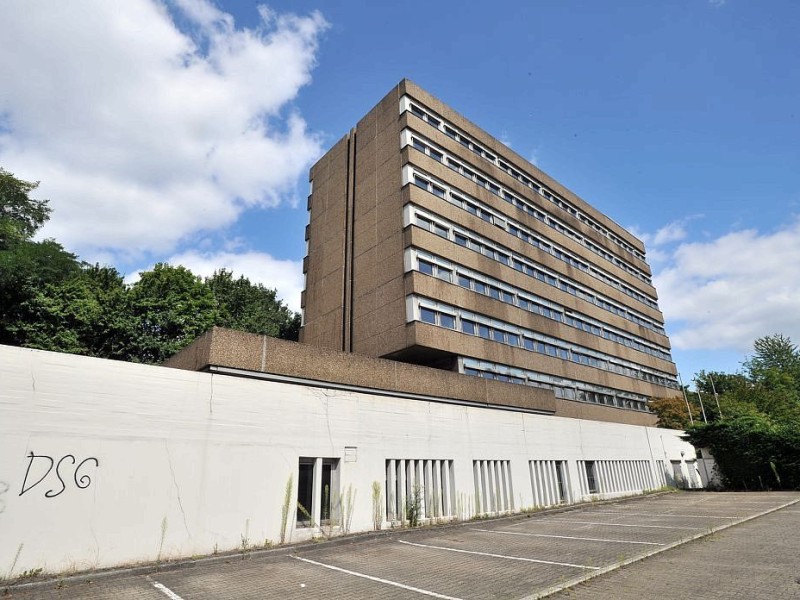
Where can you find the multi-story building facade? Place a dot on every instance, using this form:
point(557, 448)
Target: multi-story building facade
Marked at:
point(431, 242)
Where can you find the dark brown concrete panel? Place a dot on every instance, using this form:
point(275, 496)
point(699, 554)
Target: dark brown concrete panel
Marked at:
point(365, 233)
point(227, 348)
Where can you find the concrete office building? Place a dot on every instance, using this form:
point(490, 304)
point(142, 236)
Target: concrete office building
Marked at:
point(431, 242)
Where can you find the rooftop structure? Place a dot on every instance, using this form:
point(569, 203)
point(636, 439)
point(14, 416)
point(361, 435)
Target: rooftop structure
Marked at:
point(431, 242)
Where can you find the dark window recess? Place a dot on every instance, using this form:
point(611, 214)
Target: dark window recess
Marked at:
point(561, 488)
point(305, 491)
point(591, 477)
point(325, 507)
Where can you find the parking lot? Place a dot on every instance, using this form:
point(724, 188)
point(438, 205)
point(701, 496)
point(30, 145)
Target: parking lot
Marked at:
point(521, 557)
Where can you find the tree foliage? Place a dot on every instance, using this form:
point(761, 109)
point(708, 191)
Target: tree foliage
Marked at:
point(26, 266)
point(20, 215)
point(756, 439)
point(51, 301)
point(171, 307)
point(248, 307)
point(752, 451)
point(672, 412)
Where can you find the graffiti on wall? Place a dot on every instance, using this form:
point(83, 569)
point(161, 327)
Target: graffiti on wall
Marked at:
point(62, 474)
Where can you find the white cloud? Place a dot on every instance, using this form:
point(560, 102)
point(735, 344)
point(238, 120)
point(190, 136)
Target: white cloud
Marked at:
point(143, 133)
point(286, 276)
point(725, 293)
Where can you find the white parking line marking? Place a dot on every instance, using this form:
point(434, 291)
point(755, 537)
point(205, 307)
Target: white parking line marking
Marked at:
point(378, 579)
point(532, 560)
point(672, 515)
point(619, 524)
point(568, 537)
point(164, 589)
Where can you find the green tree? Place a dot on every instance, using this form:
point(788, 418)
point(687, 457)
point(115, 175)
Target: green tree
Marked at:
point(85, 314)
point(170, 307)
point(20, 215)
point(26, 267)
point(773, 354)
point(251, 307)
point(752, 451)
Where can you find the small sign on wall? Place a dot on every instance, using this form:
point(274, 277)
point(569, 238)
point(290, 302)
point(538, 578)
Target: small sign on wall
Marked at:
point(350, 454)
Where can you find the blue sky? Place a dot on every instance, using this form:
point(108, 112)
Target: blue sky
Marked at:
point(183, 131)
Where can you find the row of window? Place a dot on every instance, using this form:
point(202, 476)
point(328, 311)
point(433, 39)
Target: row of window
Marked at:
point(494, 493)
point(427, 148)
point(562, 388)
point(451, 317)
point(466, 278)
point(517, 231)
point(467, 239)
point(610, 476)
point(529, 182)
point(427, 486)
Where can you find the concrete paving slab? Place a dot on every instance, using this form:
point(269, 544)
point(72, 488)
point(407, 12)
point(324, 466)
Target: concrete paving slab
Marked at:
point(521, 557)
point(757, 559)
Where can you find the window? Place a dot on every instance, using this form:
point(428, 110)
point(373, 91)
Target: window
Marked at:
point(445, 274)
point(591, 477)
point(468, 327)
point(439, 230)
point(549, 482)
point(494, 492)
point(427, 315)
point(425, 267)
point(314, 504)
point(448, 321)
point(431, 482)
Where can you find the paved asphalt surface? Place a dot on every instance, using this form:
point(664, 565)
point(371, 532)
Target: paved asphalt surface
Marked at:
point(746, 545)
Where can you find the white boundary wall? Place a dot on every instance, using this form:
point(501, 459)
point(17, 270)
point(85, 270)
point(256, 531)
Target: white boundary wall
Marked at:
point(154, 463)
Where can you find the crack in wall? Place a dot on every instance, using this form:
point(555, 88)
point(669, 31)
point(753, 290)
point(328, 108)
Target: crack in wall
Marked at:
point(177, 489)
